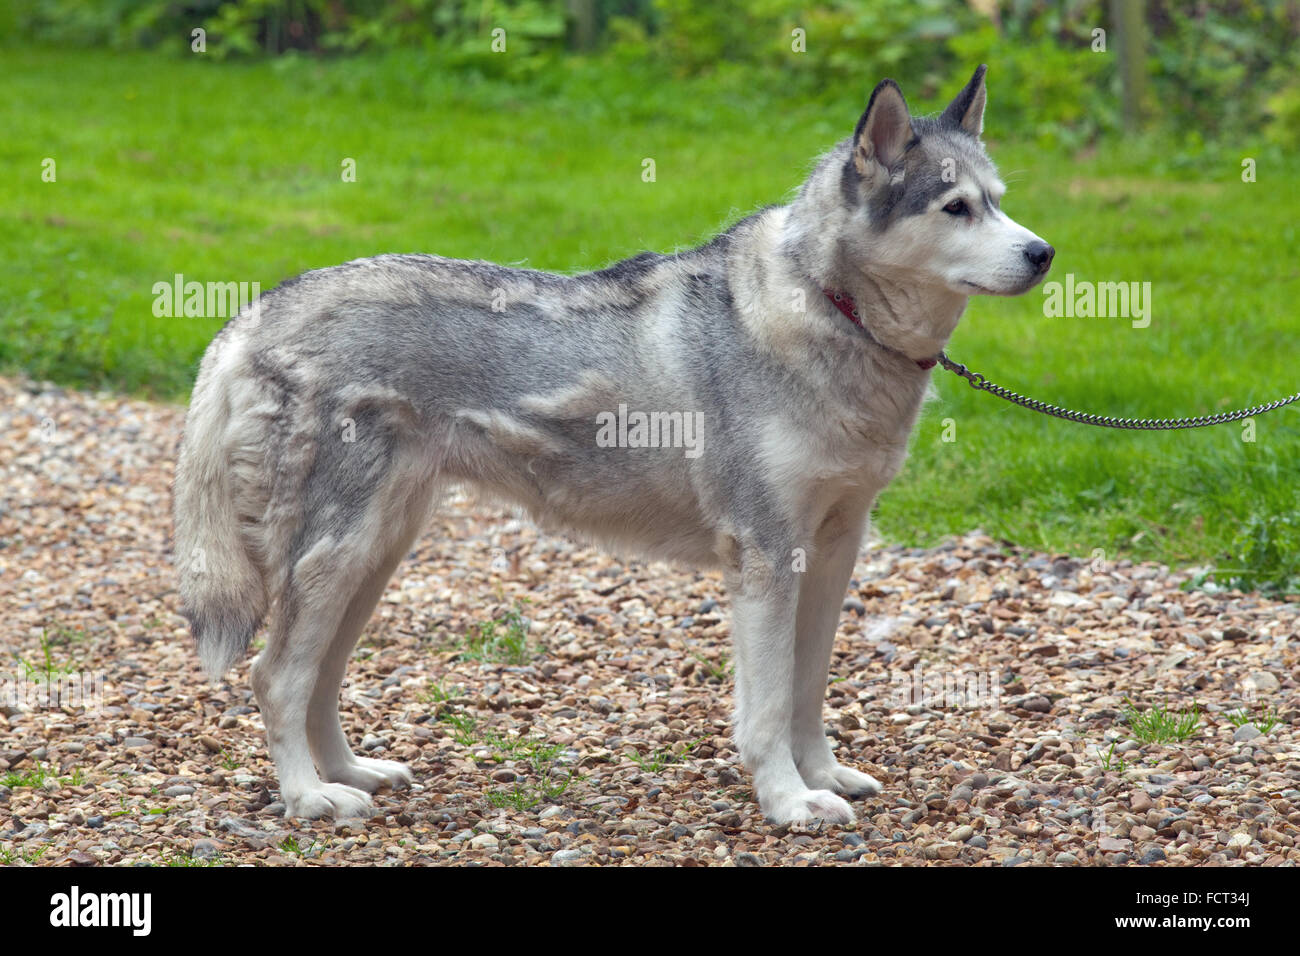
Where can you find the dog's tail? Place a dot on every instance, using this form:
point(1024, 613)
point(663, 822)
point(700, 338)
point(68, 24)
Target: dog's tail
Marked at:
point(223, 591)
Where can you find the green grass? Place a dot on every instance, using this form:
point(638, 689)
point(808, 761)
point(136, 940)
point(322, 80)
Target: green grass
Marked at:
point(290, 845)
point(1112, 761)
point(38, 775)
point(186, 858)
point(30, 857)
point(503, 641)
point(438, 694)
point(1161, 726)
point(657, 760)
point(48, 669)
point(1266, 721)
point(536, 762)
point(232, 173)
point(544, 780)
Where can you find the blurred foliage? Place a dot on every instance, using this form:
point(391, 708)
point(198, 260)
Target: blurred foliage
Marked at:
point(1268, 549)
point(1216, 69)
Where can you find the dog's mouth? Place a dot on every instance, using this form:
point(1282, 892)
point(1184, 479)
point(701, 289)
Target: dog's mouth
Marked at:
point(976, 289)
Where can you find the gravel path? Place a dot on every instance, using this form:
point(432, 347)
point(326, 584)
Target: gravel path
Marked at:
point(983, 685)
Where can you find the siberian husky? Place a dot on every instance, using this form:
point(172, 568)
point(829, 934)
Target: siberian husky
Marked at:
point(785, 363)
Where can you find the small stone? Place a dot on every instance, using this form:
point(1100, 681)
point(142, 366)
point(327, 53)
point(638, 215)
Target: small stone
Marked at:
point(178, 791)
point(132, 743)
point(212, 744)
point(1140, 801)
point(944, 850)
point(565, 857)
point(1065, 859)
point(1153, 855)
point(1246, 732)
point(484, 841)
point(205, 850)
point(962, 834)
point(374, 742)
point(1262, 682)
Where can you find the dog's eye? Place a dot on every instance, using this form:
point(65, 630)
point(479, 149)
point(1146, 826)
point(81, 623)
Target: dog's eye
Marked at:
point(956, 208)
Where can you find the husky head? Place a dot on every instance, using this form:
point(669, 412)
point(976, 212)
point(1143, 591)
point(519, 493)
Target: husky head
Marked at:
point(912, 203)
point(926, 186)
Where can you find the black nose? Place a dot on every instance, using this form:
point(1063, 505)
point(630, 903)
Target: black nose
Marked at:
point(1039, 254)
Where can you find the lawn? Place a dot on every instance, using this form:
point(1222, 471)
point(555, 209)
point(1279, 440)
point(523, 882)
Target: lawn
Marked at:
point(232, 172)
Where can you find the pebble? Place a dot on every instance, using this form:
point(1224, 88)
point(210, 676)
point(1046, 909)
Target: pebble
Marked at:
point(205, 850)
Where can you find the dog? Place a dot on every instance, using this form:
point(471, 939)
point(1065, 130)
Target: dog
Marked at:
point(795, 349)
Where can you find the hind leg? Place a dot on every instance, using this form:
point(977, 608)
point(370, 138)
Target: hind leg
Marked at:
point(332, 590)
point(283, 677)
point(329, 744)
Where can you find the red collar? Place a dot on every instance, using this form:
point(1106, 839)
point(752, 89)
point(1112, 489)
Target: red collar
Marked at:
point(845, 305)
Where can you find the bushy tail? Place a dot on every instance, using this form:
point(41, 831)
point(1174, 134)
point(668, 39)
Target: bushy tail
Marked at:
point(223, 594)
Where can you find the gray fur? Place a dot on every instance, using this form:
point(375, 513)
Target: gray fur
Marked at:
point(446, 372)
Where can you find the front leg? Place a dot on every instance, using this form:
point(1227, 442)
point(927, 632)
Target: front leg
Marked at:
point(821, 596)
point(763, 635)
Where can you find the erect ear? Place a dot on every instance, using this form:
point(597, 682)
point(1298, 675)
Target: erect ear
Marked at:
point(884, 131)
point(967, 110)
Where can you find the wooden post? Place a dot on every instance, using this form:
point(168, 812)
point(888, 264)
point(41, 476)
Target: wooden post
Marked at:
point(582, 15)
point(1129, 21)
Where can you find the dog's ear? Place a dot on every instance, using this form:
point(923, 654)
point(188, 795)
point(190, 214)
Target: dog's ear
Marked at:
point(967, 110)
point(885, 130)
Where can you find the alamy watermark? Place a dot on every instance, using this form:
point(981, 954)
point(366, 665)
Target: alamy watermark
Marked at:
point(51, 690)
point(635, 429)
point(203, 300)
point(1103, 300)
point(944, 688)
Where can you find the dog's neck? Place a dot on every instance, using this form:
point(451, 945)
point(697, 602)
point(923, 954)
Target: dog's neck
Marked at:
point(901, 312)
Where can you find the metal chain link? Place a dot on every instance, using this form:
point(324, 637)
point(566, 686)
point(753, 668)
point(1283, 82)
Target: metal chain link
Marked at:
point(978, 381)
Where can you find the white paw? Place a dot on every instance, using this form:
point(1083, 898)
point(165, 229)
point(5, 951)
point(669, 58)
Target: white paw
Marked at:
point(843, 780)
point(327, 800)
point(806, 806)
point(369, 774)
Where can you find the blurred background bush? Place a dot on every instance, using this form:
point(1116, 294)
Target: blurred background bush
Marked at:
point(1197, 55)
